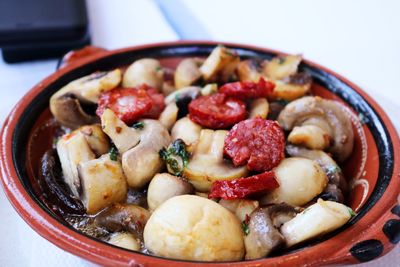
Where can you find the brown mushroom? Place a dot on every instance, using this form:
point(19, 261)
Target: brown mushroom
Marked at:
point(333, 113)
point(337, 184)
point(144, 71)
point(263, 237)
point(123, 217)
point(71, 103)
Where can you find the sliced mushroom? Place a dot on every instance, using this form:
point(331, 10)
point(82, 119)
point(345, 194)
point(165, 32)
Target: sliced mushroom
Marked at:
point(281, 213)
point(187, 72)
point(182, 98)
point(123, 217)
point(259, 108)
point(310, 136)
point(335, 115)
point(207, 163)
point(242, 208)
point(144, 71)
point(263, 237)
point(142, 162)
point(250, 70)
point(318, 219)
point(293, 87)
point(125, 240)
point(164, 186)
point(282, 66)
point(97, 140)
point(123, 136)
point(53, 186)
point(169, 116)
point(209, 89)
point(188, 131)
point(103, 183)
point(73, 149)
point(337, 184)
point(68, 105)
point(220, 64)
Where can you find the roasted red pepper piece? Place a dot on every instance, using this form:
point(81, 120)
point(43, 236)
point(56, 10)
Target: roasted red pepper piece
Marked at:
point(243, 187)
point(245, 90)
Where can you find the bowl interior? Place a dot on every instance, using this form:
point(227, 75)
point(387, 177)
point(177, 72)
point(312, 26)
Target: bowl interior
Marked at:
point(35, 129)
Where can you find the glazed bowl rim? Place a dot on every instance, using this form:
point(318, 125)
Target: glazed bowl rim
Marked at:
point(86, 247)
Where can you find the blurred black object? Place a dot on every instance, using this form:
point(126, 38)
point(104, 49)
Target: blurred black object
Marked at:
point(36, 29)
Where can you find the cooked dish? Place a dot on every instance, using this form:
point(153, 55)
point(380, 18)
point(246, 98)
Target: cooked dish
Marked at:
point(221, 159)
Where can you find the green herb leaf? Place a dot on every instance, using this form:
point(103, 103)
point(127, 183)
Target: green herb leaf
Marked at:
point(138, 125)
point(113, 153)
point(351, 212)
point(245, 228)
point(282, 102)
point(176, 152)
point(158, 68)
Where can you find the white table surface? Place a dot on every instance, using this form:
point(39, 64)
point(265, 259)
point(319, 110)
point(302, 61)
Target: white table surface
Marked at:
point(359, 39)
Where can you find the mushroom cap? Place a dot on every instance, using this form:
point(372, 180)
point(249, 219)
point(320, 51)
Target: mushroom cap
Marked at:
point(190, 227)
point(334, 113)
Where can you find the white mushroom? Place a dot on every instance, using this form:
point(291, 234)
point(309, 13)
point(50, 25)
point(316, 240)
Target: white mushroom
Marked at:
point(242, 208)
point(259, 108)
point(164, 186)
point(73, 149)
point(313, 111)
point(144, 71)
point(169, 116)
point(66, 105)
point(187, 72)
point(207, 163)
point(96, 139)
point(281, 67)
point(300, 180)
point(318, 219)
point(310, 136)
point(123, 136)
point(190, 227)
point(125, 240)
point(142, 162)
point(220, 64)
point(103, 183)
point(188, 131)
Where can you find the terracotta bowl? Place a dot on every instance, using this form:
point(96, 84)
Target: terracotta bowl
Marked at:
point(373, 168)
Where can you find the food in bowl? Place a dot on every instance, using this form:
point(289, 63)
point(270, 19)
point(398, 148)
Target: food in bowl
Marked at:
point(221, 159)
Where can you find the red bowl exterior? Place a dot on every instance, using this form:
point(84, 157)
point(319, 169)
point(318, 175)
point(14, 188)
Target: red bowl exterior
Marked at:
point(336, 250)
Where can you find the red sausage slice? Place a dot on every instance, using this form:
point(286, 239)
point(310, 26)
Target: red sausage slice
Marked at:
point(256, 142)
point(158, 103)
point(245, 90)
point(217, 111)
point(129, 104)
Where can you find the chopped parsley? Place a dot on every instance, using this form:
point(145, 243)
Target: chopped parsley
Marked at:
point(175, 156)
point(282, 102)
point(158, 68)
point(351, 212)
point(245, 228)
point(113, 153)
point(138, 125)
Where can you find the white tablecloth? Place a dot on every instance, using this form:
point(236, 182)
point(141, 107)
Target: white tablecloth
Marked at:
point(359, 39)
